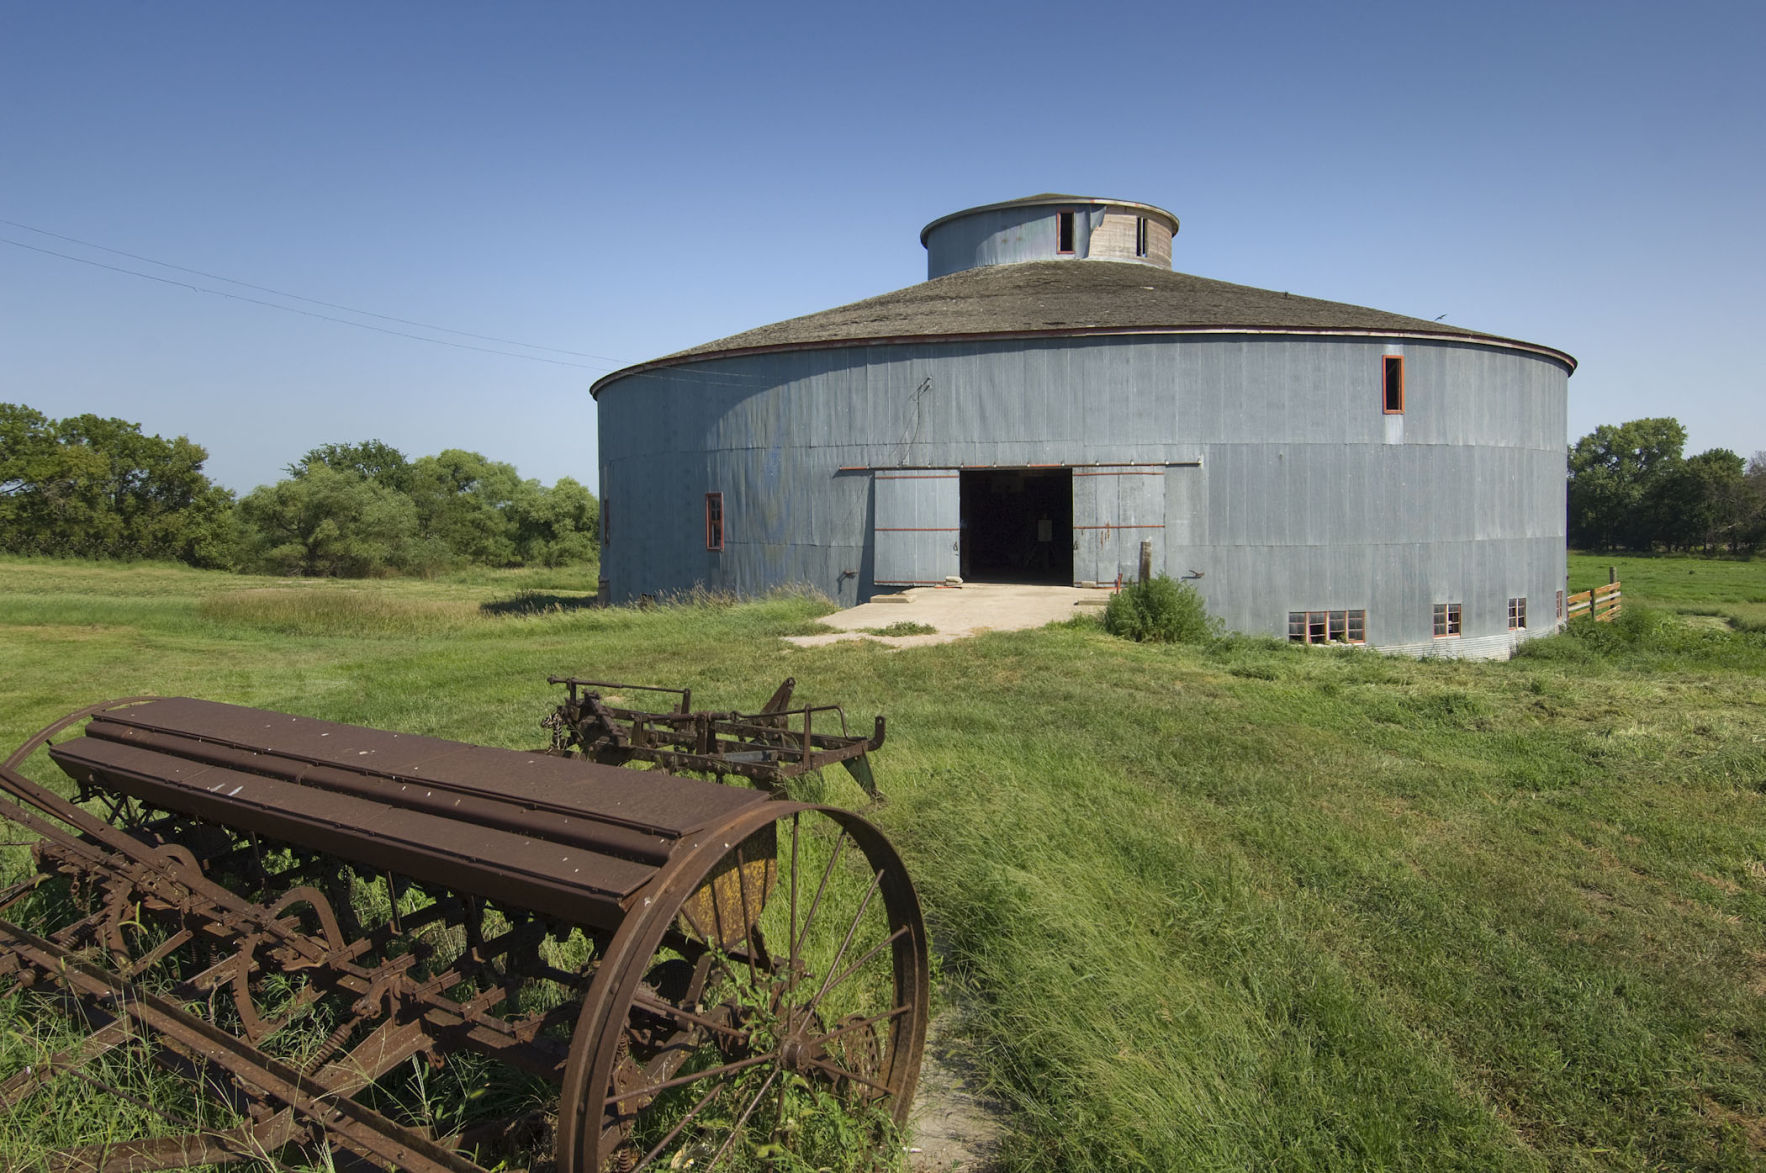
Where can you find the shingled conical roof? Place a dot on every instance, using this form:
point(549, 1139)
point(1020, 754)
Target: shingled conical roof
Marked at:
point(1066, 299)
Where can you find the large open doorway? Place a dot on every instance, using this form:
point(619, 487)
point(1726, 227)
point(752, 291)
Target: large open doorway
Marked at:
point(1017, 525)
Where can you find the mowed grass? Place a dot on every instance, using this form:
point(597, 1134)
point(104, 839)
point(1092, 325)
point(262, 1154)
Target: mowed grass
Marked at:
point(1724, 588)
point(1236, 906)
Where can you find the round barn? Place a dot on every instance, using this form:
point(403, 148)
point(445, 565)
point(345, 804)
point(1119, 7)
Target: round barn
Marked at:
point(1054, 395)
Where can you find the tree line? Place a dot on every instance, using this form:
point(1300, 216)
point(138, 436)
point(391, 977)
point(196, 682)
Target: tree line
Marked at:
point(91, 487)
point(88, 487)
point(1631, 488)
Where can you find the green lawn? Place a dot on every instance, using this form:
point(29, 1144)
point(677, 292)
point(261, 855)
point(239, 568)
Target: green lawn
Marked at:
point(1238, 906)
point(1718, 587)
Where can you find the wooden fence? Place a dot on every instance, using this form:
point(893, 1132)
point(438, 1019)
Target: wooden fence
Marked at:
point(1603, 602)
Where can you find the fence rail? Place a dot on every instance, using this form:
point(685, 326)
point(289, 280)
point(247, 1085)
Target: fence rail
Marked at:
point(1603, 602)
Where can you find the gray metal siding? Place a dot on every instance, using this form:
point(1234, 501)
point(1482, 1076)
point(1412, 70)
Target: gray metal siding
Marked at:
point(1303, 498)
point(1115, 509)
point(916, 529)
point(1007, 235)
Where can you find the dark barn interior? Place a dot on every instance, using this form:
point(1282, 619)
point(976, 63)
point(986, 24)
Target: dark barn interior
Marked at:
point(1017, 525)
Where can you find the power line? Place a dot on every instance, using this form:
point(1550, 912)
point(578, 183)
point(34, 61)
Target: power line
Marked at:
point(295, 296)
point(295, 309)
point(708, 378)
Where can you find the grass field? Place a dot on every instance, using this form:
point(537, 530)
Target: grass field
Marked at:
point(1707, 587)
point(1236, 906)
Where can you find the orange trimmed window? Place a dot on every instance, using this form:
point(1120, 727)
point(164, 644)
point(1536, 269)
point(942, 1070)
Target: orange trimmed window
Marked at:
point(1327, 627)
point(714, 521)
point(1064, 232)
point(1394, 384)
point(1446, 619)
point(1517, 613)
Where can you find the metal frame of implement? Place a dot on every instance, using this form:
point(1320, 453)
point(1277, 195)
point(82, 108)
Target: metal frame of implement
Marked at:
point(296, 920)
point(777, 743)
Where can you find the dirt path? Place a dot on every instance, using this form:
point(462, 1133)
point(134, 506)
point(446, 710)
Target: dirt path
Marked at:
point(955, 612)
point(954, 1129)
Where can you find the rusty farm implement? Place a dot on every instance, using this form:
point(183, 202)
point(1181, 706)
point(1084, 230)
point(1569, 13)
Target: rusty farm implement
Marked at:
point(769, 747)
point(299, 929)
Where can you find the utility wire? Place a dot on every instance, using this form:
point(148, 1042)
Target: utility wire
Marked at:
point(295, 310)
point(710, 378)
point(331, 305)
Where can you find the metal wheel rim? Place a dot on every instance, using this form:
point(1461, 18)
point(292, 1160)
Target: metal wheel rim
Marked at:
point(609, 1004)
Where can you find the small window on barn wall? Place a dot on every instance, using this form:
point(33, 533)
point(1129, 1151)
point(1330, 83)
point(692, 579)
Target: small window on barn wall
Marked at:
point(1327, 627)
point(714, 521)
point(1447, 616)
point(1064, 232)
point(1517, 613)
point(1140, 236)
point(1394, 384)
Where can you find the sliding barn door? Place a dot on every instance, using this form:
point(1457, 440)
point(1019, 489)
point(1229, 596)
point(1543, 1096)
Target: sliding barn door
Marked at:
point(918, 525)
point(1115, 509)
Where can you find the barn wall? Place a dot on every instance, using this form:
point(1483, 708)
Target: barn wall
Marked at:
point(1289, 488)
point(1004, 236)
point(1114, 238)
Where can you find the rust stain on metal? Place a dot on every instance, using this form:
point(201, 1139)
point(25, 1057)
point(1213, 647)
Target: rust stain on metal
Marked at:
point(297, 917)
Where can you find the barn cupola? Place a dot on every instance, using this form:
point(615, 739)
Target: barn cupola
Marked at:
point(1049, 227)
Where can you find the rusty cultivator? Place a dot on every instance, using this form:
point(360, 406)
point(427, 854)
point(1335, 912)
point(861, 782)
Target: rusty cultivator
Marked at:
point(265, 939)
point(767, 747)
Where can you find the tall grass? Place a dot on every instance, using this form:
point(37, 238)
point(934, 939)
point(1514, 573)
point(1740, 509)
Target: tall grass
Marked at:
point(336, 612)
point(1222, 906)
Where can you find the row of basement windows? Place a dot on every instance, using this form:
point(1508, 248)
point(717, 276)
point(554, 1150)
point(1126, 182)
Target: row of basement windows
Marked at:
point(1350, 626)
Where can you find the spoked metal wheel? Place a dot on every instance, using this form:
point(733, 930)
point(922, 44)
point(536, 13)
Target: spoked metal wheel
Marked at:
point(772, 1000)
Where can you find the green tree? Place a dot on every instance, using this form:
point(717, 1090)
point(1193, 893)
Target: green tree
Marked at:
point(556, 526)
point(327, 523)
point(1751, 525)
point(462, 500)
point(97, 487)
point(28, 457)
point(27, 441)
point(371, 460)
point(363, 508)
point(1698, 503)
point(1615, 472)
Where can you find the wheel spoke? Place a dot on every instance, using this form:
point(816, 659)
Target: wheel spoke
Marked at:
point(791, 926)
point(862, 1023)
point(680, 1124)
point(857, 917)
point(858, 965)
point(736, 1129)
point(839, 1072)
point(664, 1009)
point(748, 925)
point(821, 888)
point(682, 1080)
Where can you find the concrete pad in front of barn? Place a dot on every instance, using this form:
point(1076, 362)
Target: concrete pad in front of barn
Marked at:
point(955, 612)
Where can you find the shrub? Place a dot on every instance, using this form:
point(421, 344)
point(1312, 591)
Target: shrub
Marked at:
point(1160, 610)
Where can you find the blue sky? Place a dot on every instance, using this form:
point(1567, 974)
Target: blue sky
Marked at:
point(616, 184)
